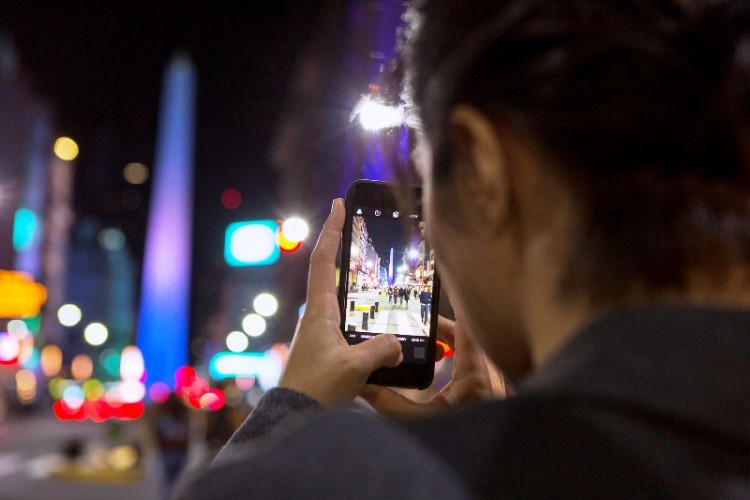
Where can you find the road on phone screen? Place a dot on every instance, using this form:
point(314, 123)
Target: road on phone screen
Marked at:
point(397, 318)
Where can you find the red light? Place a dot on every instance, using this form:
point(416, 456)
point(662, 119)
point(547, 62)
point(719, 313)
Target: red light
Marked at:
point(184, 377)
point(213, 400)
point(447, 351)
point(286, 245)
point(231, 199)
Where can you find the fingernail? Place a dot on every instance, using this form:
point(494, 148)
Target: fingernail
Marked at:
point(333, 204)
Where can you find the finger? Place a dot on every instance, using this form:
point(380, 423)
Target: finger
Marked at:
point(439, 352)
point(321, 285)
point(446, 331)
point(377, 352)
point(389, 402)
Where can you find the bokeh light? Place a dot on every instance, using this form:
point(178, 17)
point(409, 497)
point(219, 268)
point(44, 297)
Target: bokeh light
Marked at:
point(73, 396)
point(69, 315)
point(95, 334)
point(112, 239)
point(51, 360)
point(237, 341)
point(135, 173)
point(10, 348)
point(110, 360)
point(295, 229)
point(26, 386)
point(266, 304)
point(254, 325)
point(81, 367)
point(231, 199)
point(159, 392)
point(66, 148)
point(18, 329)
point(93, 389)
point(131, 363)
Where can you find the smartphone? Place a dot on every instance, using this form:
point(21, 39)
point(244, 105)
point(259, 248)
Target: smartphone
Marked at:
point(388, 282)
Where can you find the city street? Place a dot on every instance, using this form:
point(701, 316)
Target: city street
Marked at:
point(390, 318)
point(33, 465)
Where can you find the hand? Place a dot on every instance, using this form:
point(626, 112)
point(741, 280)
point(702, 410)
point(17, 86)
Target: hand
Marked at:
point(321, 364)
point(474, 377)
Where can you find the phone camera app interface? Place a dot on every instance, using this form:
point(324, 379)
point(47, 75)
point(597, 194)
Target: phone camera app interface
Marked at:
point(390, 277)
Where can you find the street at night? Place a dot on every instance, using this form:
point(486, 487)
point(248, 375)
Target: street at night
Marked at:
point(396, 318)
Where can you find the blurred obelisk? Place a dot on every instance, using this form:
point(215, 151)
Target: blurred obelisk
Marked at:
point(165, 288)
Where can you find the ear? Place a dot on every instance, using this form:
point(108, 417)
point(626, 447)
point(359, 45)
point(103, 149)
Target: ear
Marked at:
point(487, 168)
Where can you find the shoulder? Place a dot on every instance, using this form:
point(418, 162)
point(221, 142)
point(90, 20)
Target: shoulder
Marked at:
point(338, 454)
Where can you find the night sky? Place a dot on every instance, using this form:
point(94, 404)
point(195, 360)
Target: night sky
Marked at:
point(98, 65)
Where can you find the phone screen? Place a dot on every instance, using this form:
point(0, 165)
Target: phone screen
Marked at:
point(389, 280)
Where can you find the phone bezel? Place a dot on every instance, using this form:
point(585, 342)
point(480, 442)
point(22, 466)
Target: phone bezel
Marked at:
point(379, 194)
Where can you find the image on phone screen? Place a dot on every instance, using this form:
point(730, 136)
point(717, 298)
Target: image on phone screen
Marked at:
point(390, 280)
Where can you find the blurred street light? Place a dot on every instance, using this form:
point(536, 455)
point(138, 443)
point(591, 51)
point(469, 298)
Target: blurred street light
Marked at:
point(266, 304)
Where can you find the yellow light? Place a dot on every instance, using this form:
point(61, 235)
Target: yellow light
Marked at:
point(135, 173)
point(66, 148)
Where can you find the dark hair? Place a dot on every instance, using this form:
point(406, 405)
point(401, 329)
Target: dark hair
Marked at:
point(644, 104)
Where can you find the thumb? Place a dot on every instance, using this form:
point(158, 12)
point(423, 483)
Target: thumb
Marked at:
point(377, 352)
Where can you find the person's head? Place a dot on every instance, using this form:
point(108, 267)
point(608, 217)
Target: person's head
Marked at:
point(581, 153)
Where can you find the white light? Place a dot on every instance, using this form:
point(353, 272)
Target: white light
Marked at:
point(237, 341)
point(413, 253)
point(73, 396)
point(18, 329)
point(375, 116)
point(131, 391)
point(69, 315)
point(401, 269)
point(266, 304)
point(95, 334)
point(253, 243)
point(268, 378)
point(254, 325)
point(9, 348)
point(295, 229)
point(131, 363)
point(369, 264)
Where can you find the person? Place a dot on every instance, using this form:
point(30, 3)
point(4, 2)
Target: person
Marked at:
point(425, 299)
point(586, 177)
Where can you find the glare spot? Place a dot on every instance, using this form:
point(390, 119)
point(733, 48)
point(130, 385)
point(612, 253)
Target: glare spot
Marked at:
point(295, 229)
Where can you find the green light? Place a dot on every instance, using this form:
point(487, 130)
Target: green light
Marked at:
point(24, 229)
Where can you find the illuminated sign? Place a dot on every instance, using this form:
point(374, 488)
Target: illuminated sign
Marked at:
point(20, 297)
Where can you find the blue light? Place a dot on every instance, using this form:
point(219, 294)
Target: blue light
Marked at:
point(165, 295)
point(24, 229)
point(251, 243)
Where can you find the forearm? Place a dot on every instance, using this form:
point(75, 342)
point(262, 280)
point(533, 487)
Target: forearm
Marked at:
point(278, 407)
